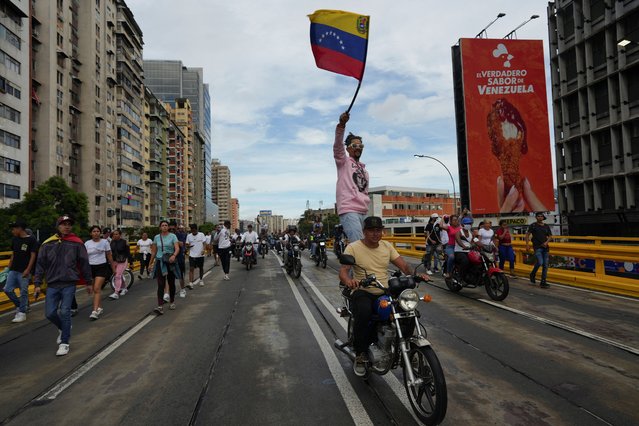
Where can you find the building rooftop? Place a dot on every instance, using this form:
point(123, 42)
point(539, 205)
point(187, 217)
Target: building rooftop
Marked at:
point(381, 189)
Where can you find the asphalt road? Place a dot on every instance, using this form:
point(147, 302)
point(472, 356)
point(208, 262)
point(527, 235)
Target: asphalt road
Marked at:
point(258, 349)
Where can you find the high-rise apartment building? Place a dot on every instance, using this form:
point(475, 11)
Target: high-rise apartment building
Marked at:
point(156, 124)
point(15, 101)
point(170, 80)
point(182, 116)
point(129, 98)
point(221, 179)
point(176, 205)
point(594, 49)
point(235, 213)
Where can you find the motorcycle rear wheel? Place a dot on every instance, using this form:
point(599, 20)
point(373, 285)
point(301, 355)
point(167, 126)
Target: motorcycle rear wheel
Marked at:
point(297, 268)
point(453, 283)
point(497, 287)
point(430, 399)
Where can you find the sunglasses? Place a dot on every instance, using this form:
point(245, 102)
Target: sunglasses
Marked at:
point(356, 145)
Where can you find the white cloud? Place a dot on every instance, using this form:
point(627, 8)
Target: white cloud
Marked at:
point(399, 109)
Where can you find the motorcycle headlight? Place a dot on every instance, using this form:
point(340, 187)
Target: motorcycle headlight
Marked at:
point(408, 300)
point(296, 248)
point(322, 243)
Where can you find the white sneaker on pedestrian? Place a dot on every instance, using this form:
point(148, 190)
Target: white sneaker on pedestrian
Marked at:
point(429, 272)
point(99, 311)
point(166, 297)
point(123, 291)
point(183, 293)
point(63, 349)
point(201, 282)
point(20, 317)
point(59, 339)
point(226, 277)
point(190, 286)
point(94, 315)
point(114, 296)
point(172, 306)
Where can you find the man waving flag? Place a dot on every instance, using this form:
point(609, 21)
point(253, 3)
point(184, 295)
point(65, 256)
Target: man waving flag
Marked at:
point(339, 41)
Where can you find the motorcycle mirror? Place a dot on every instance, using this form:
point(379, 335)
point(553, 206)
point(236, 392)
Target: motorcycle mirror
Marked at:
point(346, 259)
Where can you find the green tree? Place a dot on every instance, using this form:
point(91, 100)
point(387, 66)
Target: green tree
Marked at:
point(206, 227)
point(41, 207)
point(329, 223)
point(305, 224)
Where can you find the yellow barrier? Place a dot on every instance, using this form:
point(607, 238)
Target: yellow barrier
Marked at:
point(617, 249)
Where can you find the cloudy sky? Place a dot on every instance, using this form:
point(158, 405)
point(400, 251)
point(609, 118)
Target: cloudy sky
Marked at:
point(274, 112)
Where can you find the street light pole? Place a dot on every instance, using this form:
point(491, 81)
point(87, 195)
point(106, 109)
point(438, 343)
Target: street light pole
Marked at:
point(513, 32)
point(479, 35)
point(449, 174)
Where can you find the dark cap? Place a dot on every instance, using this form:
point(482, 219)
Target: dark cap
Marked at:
point(64, 218)
point(18, 224)
point(373, 222)
point(543, 214)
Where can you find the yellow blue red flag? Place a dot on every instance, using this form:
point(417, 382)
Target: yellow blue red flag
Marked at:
point(339, 41)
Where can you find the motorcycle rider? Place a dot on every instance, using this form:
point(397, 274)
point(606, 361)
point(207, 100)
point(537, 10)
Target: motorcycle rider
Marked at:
point(235, 238)
point(251, 236)
point(372, 254)
point(289, 239)
point(463, 244)
point(315, 236)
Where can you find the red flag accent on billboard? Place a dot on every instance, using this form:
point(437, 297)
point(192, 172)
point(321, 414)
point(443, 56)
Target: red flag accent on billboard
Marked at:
point(507, 133)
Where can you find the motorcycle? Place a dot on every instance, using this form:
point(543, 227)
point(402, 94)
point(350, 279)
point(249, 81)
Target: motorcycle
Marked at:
point(338, 246)
point(294, 259)
point(401, 342)
point(320, 252)
point(482, 270)
point(247, 255)
point(237, 249)
point(263, 247)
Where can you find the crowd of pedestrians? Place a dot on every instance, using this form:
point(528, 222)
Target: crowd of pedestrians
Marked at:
point(64, 261)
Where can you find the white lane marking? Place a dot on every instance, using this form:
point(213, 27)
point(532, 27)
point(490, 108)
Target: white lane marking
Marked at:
point(391, 380)
point(352, 401)
point(56, 390)
point(563, 326)
point(597, 292)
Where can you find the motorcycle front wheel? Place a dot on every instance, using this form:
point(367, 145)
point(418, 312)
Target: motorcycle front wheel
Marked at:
point(298, 268)
point(324, 259)
point(497, 287)
point(429, 398)
point(453, 282)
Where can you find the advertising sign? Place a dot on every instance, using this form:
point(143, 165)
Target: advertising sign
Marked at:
point(266, 212)
point(506, 117)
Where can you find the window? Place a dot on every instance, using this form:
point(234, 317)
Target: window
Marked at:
point(570, 61)
point(60, 116)
point(9, 191)
point(60, 78)
point(604, 147)
point(10, 37)
point(569, 21)
point(597, 9)
point(9, 113)
point(598, 45)
point(9, 139)
point(60, 40)
point(572, 105)
point(58, 171)
point(9, 165)
point(632, 77)
point(601, 98)
point(9, 88)
point(9, 62)
point(60, 97)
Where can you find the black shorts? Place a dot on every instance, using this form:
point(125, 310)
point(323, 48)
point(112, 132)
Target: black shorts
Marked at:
point(196, 262)
point(215, 248)
point(103, 270)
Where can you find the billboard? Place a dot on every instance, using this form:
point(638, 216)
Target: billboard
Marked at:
point(266, 212)
point(507, 141)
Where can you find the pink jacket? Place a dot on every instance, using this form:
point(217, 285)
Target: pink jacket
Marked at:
point(352, 179)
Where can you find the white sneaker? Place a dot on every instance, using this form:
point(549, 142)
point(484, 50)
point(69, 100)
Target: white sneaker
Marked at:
point(166, 297)
point(226, 277)
point(63, 349)
point(190, 286)
point(114, 296)
point(201, 282)
point(20, 317)
point(123, 291)
point(94, 315)
point(429, 272)
point(99, 311)
point(59, 339)
point(183, 293)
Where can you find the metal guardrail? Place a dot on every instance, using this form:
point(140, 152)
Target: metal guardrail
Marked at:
point(563, 251)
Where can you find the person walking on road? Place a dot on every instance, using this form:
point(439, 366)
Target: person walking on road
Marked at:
point(121, 256)
point(195, 242)
point(352, 181)
point(102, 266)
point(23, 257)
point(541, 236)
point(63, 261)
point(506, 252)
point(181, 256)
point(164, 251)
point(144, 254)
point(433, 244)
point(224, 248)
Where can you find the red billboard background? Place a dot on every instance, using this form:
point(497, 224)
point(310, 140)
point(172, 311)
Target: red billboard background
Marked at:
point(507, 135)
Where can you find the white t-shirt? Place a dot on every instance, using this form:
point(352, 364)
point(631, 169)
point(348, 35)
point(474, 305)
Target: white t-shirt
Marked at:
point(250, 236)
point(224, 240)
point(208, 239)
point(485, 236)
point(195, 244)
point(145, 247)
point(97, 251)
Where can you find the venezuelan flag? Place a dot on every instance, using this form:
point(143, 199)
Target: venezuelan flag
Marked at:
point(339, 41)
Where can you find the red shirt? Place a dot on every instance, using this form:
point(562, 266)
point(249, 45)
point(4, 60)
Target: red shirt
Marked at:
point(452, 231)
point(506, 236)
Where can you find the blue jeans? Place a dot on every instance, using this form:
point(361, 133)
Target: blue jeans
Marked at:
point(542, 260)
point(15, 280)
point(450, 262)
point(506, 253)
point(353, 223)
point(62, 298)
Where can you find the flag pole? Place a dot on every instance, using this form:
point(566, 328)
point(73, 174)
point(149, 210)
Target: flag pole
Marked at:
point(354, 96)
